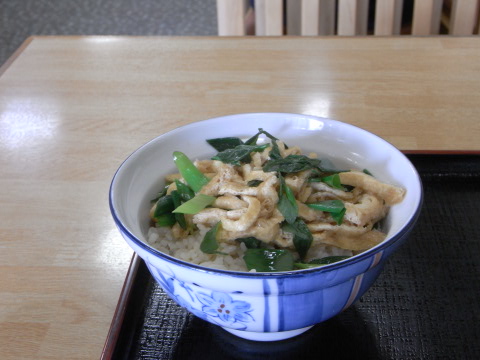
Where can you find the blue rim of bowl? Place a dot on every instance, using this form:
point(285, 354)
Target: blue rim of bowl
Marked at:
point(326, 268)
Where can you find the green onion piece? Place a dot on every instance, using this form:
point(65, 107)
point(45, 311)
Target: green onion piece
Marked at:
point(195, 205)
point(338, 216)
point(186, 193)
point(177, 202)
point(268, 260)
point(327, 205)
point(336, 208)
point(194, 177)
point(209, 243)
point(333, 181)
point(162, 193)
point(165, 220)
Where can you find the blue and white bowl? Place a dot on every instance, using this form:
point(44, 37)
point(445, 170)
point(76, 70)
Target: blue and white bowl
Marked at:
point(264, 306)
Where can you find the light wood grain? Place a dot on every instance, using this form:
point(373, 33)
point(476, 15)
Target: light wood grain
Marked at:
point(464, 17)
point(426, 17)
point(231, 17)
point(352, 17)
point(388, 16)
point(269, 17)
point(72, 108)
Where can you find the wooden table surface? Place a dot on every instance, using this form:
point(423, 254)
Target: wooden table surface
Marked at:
point(72, 108)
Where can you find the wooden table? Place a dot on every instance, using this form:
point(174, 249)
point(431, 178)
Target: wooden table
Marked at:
point(72, 108)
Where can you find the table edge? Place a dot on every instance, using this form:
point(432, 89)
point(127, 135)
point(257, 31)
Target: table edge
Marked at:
point(6, 65)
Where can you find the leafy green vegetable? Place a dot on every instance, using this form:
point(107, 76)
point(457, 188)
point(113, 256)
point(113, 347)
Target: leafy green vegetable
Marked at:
point(268, 260)
point(336, 208)
point(195, 204)
point(238, 154)
point(301, 266)
point(254, 183)
point(338, 217)
point(320, 262)
point(253, 140)
point(164, 205)
point(328, 260)
point(250, 242)
point(291, 164)
point(162, 193)
point(367, 172)
point(233, 150)
point(333, 181)
point(287, 203)
point(302, 237)
point(194, 177)
point(328, 205)
point(209, 243)
point(221, 144)
point(165, 219)
point(186, 193)
point(176, 203)
point(275, 152)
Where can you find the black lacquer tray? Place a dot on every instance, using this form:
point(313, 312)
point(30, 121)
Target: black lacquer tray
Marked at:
point(424, 305)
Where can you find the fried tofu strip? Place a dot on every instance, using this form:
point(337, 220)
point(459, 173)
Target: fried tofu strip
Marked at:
point(367, 210)
point(309, 214)
point(389, 193)
point(344, 230)
point(226, 174)
point(296, 181)
point(263, 229)
point(247, 219)
point(210, 216)
point(355, 243)
point(322, 191)
point(229, 202)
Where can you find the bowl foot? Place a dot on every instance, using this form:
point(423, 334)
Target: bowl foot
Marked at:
point(267, 336)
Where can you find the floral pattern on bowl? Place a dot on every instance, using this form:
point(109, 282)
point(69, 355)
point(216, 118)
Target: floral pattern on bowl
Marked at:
point(213, 306)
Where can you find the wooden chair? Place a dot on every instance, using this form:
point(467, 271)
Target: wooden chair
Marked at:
point(348, 17)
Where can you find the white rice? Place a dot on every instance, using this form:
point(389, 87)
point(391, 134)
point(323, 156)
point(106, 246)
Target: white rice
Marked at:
point(188, 249)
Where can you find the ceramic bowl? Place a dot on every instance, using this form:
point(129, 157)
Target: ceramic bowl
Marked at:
point(264, 306)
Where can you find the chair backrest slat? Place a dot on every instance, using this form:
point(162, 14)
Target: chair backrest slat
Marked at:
point(347, 17)
point(426, 17)
point(231, 17)
point(464, 17)
point(327, 17)
point(309, 17)
point(269, 17)
point(294, 17)
point(350, 17)
point(388, 17)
